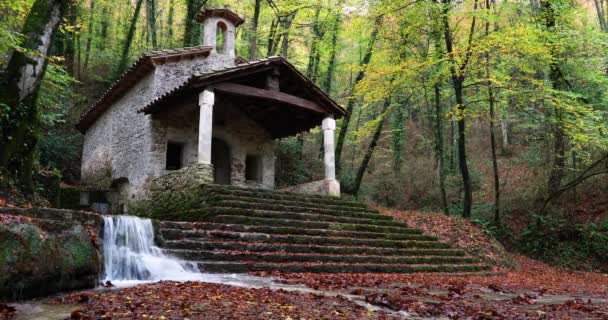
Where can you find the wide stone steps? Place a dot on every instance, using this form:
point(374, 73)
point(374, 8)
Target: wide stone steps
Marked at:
point(241, 230)
point(218, 190)
point(173, 227)
point(294, 204)
point(261, 247)
point(297, 239)
point(309, 224)
point(299, 209)
point(282, 257)
point(247, 266)
point(237, 208)
point(176, 234)
point(304, 217)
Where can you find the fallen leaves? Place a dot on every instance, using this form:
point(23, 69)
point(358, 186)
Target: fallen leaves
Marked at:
point(6, 311)
point(198, 300)
point(456, 230)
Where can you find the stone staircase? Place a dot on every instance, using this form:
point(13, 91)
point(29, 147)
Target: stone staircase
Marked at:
point(240, 230)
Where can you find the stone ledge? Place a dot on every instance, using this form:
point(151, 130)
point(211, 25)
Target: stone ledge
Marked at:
point(188, 177)
point(327, 187)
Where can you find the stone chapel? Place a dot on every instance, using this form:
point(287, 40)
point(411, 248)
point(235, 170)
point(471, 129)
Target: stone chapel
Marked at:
point(203, 114)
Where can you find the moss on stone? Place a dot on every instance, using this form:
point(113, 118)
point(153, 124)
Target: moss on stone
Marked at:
point(36, 262)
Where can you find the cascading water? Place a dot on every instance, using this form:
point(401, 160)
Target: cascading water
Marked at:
point(130, 254)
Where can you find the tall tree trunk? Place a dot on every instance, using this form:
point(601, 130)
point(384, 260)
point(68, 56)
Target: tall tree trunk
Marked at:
point(170, 20)
point(331, 65)
point(124, 59)
point(439, 149)
point(78, 57)
point(504, 129)
point(253, 39)
point(70, 38)
point(19, 90)
point(399, 117)
point(192, 34)
point(286, 30)
point(89, 38)
point(556, 76)
point(151, 15)
point(272, 37)
point(103, 32)
point(457, 75)
point(438, 123)
point(453, 143)
point(491, 103)
point(601, 15)
point(370, 149)
point(351, 97)
point(314, 43)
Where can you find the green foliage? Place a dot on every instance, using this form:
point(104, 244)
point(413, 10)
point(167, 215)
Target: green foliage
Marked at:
point(555, 240)
point(290, 168)
point(60, 147)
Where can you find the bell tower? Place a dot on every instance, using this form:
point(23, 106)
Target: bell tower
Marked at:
point(219, 25)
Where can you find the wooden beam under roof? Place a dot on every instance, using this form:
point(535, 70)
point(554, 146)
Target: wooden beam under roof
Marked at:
point(269, 95)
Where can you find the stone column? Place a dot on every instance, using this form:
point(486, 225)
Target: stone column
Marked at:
point(205, 101)
point(329, 126)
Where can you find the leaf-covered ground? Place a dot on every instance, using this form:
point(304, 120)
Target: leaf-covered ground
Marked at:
point(197, 300)
point(459, 232)
point(535, 291)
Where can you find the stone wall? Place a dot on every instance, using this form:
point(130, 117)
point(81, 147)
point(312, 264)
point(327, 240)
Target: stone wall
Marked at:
point(245, 137)
point(176, 191)
point(321, 187)
point(123, 145)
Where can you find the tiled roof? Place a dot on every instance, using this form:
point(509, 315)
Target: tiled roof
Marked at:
point(216, 75)
point(140, 67)
point(225, 13)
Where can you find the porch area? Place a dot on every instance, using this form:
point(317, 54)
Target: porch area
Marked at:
point(224, 127)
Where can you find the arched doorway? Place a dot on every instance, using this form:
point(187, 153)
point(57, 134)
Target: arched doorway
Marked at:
point(220, 158)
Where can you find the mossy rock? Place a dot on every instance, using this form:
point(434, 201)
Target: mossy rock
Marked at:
point(35, 263)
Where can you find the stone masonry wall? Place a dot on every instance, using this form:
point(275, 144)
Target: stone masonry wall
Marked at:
point(120, 145)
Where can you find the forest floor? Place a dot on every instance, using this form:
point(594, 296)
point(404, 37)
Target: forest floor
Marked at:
point(534, 291)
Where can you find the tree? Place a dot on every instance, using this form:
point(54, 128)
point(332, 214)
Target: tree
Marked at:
point(458, 77)
point(151, 15)
point(367, 156)
point(124, 59)
point(89, 38)
point(253, 39)
point(192, 33)
point(351, 97)
point(20, 86)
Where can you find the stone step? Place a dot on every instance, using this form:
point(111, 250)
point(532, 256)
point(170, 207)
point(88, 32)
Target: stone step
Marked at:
point(306, 224)
point(202, 233)
point(311, 240)
point(212, 214)
point(280, 195)
point(291, 209)
point(272, 214)
point(294, 203)
point(281, 257)
point(305, 248)
point(247, 266)
point(165, 225)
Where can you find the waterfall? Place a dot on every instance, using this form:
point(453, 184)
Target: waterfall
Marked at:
point(130, 254)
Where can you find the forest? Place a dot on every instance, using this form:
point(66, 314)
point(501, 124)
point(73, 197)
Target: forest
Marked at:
point(495, 111)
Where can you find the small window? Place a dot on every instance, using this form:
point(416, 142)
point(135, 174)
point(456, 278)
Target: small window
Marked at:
point(253, 168)
point(175, 153)
point(220, 37)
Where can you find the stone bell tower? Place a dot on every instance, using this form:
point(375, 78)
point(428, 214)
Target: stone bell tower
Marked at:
point(219, 22)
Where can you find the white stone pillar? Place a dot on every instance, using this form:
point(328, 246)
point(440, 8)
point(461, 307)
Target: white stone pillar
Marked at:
point(205, 125)
point(329, 126)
